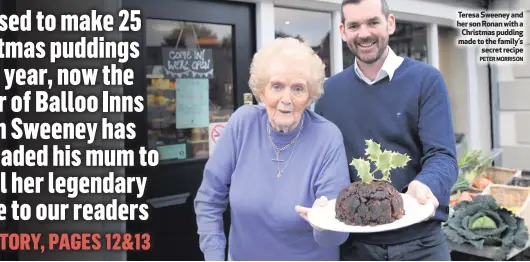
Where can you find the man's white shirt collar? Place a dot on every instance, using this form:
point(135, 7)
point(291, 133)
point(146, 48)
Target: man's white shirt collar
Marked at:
point(391, 64)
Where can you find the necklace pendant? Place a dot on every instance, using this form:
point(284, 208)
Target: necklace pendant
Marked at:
point(279, 175)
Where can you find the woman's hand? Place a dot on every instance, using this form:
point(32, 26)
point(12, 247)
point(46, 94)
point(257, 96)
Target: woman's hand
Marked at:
point(303, 211)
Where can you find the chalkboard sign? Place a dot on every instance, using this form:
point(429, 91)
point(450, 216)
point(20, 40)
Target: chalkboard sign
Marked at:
point(187, 63)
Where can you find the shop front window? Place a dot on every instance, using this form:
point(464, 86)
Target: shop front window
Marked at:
point(409, 40)
point(309, 26)
point(189, 86)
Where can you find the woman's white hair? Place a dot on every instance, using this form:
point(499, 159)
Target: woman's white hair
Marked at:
point(293, 49)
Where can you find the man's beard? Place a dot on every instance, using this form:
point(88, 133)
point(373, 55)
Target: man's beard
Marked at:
point(379, 51)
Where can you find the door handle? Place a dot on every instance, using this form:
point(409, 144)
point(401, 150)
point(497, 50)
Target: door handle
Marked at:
point(166, 201)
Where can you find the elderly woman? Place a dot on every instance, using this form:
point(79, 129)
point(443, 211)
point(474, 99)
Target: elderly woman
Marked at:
point(273, 161)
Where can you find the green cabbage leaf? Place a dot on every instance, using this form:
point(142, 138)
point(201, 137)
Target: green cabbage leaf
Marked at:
point(482, 222)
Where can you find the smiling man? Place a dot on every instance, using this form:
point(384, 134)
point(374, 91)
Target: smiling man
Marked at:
point(403, 105)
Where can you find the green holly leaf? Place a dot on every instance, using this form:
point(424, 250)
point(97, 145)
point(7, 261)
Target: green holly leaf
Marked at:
point(399, 160)
point(384, 162)
point(386, 176)
point(363, 170)
point(373, 150)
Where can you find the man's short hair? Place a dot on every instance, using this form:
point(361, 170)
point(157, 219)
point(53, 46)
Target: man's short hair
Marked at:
point(384, 8)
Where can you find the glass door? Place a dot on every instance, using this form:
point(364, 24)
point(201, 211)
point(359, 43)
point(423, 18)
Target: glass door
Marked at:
point(190, 81)
point(195, 68)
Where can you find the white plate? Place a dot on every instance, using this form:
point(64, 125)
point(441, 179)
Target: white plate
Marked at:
point(324, 217)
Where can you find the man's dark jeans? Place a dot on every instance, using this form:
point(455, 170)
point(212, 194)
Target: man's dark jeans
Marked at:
point(432, 247)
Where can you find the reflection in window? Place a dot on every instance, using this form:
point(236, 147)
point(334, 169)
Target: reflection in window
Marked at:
point(309, 26)
point(409, 39)
point(185, 98)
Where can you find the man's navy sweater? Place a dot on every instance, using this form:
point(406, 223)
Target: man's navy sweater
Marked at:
point(410, 114)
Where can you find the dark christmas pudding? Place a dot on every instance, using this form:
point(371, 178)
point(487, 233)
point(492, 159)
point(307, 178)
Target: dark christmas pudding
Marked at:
point(372, 201)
